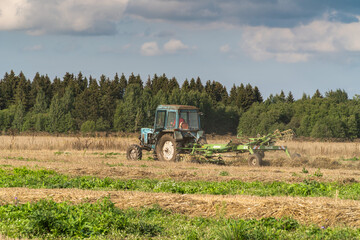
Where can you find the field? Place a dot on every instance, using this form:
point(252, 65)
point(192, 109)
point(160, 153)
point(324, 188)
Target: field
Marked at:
point(51, 188)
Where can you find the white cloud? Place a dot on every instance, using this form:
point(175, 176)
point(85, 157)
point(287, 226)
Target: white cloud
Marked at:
point(150, 49)
point(174, 45)
point(300, 43)
point(225, 48)
point(170, 47)
point(61, 16)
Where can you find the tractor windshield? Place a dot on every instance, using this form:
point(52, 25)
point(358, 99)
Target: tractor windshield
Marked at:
point(190, 120)
point(160, 119)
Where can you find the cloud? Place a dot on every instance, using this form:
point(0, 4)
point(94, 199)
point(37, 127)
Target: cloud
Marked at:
point(170, 47)
point(62, 16)
point(300, 43)
point(150, 49)
point(174, 45)
point(271, 13)
point(225, 48)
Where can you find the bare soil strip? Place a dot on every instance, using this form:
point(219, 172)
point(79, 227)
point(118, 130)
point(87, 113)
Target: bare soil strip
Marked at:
point(321, 211)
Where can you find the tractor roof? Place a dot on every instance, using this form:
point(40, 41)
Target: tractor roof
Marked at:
point(176, 107)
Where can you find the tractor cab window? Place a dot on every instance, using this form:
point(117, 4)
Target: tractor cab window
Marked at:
point(171, 120)
point(160, 119)
point(189, 120)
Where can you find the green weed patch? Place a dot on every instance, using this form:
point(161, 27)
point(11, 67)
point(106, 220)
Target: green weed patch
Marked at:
point(25, 177)
point(47, 219)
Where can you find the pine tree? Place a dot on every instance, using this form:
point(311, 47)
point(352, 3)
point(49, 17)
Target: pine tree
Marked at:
point(192, 84)
point(22, 91)
point(282, 96)
point(173, 84)
point(122, 85)
point(290, 98)
point(9, 86)
point(233, 95)
point(317, 94)
point(199, 85)
point(185, 86)
point(40, 103)
point(19, 116)
point(257, 95)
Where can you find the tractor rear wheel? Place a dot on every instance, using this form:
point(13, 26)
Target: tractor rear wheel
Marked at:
point(134, 152)
point(255, 160)
point(166, 149)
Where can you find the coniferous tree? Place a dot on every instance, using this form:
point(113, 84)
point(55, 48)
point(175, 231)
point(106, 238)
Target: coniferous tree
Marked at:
point(290, 98)
point(198, 85)
point(173, 84)
point(317, 94)
point(233, 95)
point(192, 84)
point(40, 102)
point(122, 85)
point(257, 95)
point(185, 86)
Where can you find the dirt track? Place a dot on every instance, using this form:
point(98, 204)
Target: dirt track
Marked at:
point(322, 211)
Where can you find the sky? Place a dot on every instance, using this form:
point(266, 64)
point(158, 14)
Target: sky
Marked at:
point(289, 45)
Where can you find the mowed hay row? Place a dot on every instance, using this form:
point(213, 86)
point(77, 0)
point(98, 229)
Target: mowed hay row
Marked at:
point(325, 149)
point(324, 212)
point(66, 143)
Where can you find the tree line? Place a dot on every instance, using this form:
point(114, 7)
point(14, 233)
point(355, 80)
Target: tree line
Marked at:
point(76, 103)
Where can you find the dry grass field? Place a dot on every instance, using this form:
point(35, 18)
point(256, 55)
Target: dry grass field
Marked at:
point(105, 157)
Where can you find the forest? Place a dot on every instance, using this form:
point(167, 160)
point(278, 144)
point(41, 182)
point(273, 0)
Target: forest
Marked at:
point(77, 103)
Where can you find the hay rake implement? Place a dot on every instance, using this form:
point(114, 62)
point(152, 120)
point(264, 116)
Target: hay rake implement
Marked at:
point(256, 147)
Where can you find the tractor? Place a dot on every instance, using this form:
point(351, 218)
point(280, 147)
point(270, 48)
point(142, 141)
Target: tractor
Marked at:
point(177, 133)
point(175, 127)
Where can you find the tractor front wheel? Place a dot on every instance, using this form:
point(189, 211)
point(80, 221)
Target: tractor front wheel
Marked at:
point(166, 149)
point(134, 152)
point(255, 160)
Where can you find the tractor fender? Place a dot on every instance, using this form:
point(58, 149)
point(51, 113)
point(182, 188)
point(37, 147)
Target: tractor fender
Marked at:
point(178, 136)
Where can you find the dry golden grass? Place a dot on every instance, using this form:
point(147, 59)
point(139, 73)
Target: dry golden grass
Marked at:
point(65, 143)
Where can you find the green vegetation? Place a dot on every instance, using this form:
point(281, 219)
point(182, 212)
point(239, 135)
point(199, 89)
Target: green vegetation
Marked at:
point(304, 170)
point(24, 177)
point(354, 159)
point(224, 173)
point(332, 116)
point(47, 219)
point(23, 159)
point(115, 165)
point(80, 104)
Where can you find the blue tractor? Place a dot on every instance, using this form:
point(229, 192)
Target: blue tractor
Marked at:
point(175, 127)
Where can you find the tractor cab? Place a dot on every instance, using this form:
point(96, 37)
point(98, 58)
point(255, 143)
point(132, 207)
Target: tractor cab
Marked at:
point(177, 118)
point(177, 124)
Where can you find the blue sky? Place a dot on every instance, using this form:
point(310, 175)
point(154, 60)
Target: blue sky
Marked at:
point(298, 46)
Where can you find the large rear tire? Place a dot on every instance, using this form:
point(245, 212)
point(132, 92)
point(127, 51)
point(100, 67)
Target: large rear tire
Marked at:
point(166, 149)
point(134, 152)
point(255, 160)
